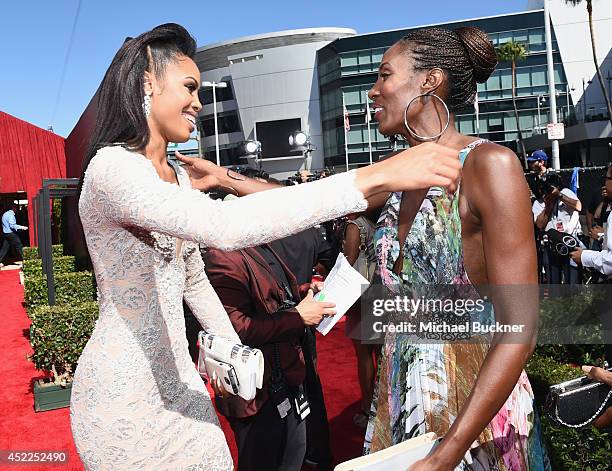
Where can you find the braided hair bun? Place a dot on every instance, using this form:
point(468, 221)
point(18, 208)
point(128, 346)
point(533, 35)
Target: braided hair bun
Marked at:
point(465, 54)
point(480, 51)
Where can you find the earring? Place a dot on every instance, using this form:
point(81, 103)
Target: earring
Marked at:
point(146, 105)
point(426, 138)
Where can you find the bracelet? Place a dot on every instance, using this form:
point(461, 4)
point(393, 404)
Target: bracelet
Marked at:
point(241, 178)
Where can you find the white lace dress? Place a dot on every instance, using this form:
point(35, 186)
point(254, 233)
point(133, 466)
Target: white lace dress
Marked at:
point(137, 400)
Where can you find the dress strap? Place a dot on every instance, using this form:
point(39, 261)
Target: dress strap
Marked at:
point(463, 153)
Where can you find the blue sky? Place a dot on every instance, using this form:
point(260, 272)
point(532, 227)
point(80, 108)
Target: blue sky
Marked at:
point(35, 34)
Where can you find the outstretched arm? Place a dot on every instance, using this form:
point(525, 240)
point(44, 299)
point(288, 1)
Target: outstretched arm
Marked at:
point(510, 261)
point(125, 188)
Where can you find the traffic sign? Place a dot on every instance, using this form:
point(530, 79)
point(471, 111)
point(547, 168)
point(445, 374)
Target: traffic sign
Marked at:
point(556, 131)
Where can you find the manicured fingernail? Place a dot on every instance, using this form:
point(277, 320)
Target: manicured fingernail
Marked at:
point(586, 368)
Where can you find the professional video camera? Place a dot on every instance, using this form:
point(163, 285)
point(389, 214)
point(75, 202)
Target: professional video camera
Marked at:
point(562, 243)
point(547, 182)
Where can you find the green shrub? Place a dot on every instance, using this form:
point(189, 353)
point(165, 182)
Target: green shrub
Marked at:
point(31, 253)
point(58, 335)
point(70, 288)
point(64, 264)
point(569, 449)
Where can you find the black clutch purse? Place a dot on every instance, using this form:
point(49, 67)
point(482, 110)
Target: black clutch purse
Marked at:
point(578, 402)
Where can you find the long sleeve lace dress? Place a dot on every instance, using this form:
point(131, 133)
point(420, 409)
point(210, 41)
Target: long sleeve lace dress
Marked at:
point(137, 400)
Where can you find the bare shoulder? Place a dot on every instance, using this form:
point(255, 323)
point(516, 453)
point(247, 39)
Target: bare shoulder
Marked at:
point(491, 163)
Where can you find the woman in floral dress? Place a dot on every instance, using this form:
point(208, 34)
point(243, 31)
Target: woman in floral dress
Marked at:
point(468, 388)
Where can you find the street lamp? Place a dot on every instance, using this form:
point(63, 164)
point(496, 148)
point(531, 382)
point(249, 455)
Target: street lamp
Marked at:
point(214, 86)
point(541, 100)
point(300, 141)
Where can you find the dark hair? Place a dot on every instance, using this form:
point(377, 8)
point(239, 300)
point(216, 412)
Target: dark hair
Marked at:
point(121, 118)
point(465, 54)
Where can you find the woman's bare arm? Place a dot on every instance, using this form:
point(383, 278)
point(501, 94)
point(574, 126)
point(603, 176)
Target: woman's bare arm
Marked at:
point(499, 197)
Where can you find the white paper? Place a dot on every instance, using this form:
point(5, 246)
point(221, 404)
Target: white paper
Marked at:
point(343, 286)
point(395, 458)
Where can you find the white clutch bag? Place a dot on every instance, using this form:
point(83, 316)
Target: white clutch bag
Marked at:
point(240, 367)
point(395, 458)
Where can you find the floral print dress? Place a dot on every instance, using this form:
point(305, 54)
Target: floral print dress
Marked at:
point(423, 385)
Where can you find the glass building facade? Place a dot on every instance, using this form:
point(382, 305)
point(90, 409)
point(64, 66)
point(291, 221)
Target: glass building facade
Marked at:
point(348, 68)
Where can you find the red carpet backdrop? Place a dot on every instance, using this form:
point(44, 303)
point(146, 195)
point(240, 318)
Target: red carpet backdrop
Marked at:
point(27, 155)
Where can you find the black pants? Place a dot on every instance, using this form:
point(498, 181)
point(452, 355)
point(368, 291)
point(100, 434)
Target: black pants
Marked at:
point(268, 443)
point(317, 425)
point(11, 240)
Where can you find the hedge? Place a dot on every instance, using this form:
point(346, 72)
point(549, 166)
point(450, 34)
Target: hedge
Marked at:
point(70, 288)
point(569, 449)
point(63, 264)
point(31, 253)
point(58, 335)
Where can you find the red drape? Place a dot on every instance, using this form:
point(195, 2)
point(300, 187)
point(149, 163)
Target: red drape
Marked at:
point(28, 154)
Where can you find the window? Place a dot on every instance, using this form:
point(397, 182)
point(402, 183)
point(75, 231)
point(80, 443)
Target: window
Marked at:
point(351, 96)
point(227, 156)
point(538, 76)
point(521, 36)
point(222, 94)
point(377, 55)
point(523, 77)
point(506, 78)
point(348, 59)
point(274, 137)
point(494, 81)
point(505, 37)
point(227, 123)
point(536, 36)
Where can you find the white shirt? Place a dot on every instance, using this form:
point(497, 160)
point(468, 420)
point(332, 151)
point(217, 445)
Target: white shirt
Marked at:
point(566, 220)
point(600, 260)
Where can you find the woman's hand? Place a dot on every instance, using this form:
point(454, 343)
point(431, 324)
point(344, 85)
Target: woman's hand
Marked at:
point(605, 376)
point(428, 464)
point(218, 387)
point(419, 167)
point(204, 175)
point(598, 374)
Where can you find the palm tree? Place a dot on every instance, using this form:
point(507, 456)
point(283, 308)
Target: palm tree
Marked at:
point(589, 6)
point(514, 52)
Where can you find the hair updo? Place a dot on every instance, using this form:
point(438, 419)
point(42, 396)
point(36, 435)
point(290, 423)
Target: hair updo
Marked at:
point(465, 54)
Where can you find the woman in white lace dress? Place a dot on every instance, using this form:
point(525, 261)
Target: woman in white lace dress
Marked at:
point(137, 400)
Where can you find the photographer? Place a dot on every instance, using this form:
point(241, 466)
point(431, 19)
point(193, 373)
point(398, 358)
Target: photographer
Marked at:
point(596, 215)
point(599, 260)
point(537, 162)
point(560, 210)
point(602, 262)
point(262, 300)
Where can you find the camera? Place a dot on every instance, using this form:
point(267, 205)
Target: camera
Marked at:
point(547, 183)
point(561, 242)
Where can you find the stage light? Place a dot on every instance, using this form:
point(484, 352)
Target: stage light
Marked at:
point(300, 141)
point(250, 148)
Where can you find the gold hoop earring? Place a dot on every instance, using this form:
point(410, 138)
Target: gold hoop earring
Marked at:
point(426, 138)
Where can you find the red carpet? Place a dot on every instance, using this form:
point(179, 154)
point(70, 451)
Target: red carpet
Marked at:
point(23, 429)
